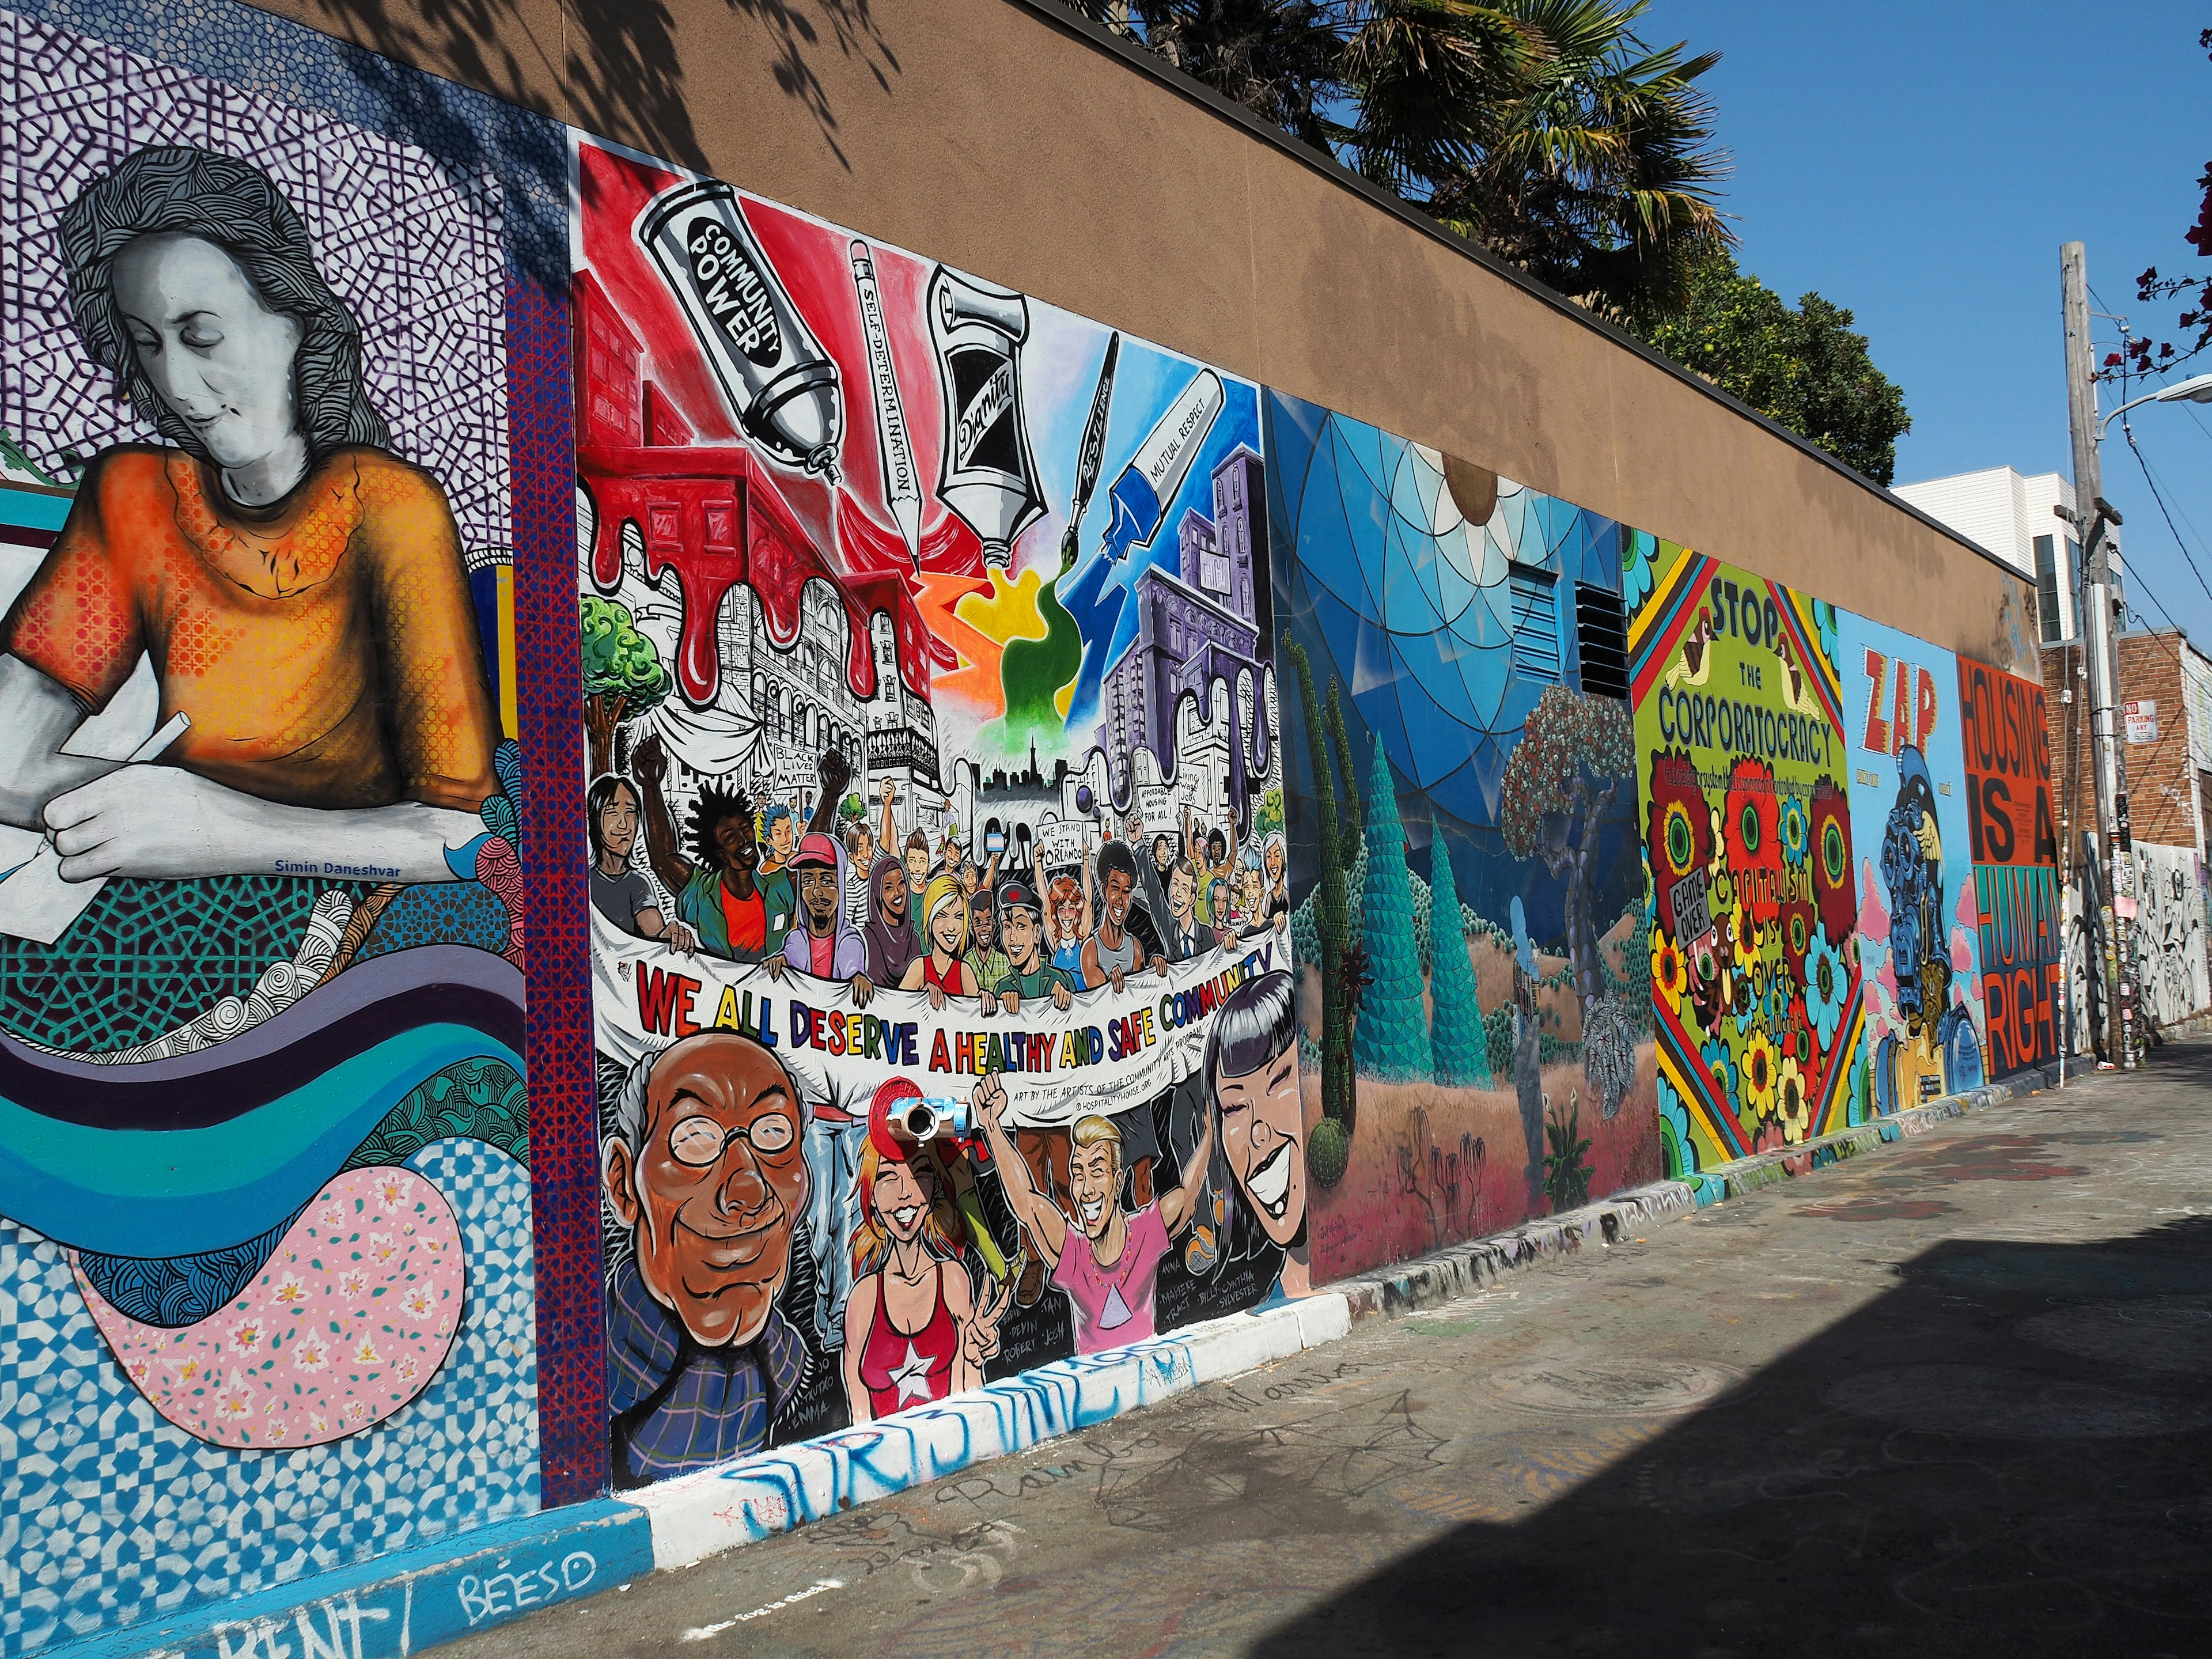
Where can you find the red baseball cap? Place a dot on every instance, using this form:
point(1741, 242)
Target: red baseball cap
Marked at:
point(815, 848)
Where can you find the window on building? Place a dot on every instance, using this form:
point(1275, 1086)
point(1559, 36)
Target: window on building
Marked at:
point(1601, 634)
point(2046, 584)
point(1536, 594)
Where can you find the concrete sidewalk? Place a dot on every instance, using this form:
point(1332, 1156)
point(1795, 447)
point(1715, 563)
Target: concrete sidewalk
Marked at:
point(1907, 1408)
point(473, 1584)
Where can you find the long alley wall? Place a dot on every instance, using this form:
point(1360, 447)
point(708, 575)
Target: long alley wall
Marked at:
point(640, 826)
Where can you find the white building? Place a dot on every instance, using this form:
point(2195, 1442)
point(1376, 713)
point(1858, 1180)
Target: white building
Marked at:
point(2012, 516)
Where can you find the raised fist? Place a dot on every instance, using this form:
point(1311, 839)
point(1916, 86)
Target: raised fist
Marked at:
point(649, 760)
point(834, 772)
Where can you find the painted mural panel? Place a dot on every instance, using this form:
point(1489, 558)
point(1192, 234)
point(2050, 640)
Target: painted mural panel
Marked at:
point(1748, 845)
point(1459, 755)
point(1919, 919)
point(266, 1283)
point(2005, 745)
point(944, 1006)
point(2169, 931)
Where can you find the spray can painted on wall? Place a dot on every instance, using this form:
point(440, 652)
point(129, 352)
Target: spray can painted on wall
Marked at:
point(902, 483)
point(989, 477)
point(1142, 494)
point(779, 379)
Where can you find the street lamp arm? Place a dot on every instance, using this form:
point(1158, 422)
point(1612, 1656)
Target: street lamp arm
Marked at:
point(2196, 390)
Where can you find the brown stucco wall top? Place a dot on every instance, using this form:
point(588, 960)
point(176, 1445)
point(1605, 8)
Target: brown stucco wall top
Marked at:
point(1003, 138)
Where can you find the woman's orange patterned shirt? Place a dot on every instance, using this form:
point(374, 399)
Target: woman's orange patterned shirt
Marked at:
point(326, 650)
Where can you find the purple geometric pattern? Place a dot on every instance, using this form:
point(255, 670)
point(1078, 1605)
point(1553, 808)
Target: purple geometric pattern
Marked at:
point(564, 1160)
point(413, 248)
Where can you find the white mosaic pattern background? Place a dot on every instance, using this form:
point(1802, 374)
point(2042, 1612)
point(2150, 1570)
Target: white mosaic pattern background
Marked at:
point(415, 254)
point(109, 1515)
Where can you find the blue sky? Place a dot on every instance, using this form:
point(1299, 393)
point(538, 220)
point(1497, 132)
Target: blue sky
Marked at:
point(1921, 163)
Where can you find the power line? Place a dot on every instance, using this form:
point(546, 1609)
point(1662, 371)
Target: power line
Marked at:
point(2188, 558)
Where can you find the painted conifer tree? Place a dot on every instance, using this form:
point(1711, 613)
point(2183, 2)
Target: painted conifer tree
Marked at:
point(1392, 1038)
point(1328, 1144)
point(1456, 1030)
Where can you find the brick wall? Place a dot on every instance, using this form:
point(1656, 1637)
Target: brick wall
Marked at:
point(2161, 778)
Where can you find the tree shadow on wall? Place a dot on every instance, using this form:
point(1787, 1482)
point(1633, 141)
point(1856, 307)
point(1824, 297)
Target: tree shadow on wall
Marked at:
point(2008, 1454)
point(619, 60)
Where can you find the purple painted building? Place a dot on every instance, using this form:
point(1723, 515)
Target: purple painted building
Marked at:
point(1192, 629)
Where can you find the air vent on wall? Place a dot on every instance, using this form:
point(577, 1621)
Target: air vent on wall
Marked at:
point(1601, 631)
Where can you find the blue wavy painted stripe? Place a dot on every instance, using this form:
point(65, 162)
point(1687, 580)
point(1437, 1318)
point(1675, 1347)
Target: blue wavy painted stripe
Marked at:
point(198, 1151)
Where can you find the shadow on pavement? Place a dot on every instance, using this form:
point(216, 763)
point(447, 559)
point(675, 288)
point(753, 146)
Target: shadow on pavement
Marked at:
point(2010, 1453)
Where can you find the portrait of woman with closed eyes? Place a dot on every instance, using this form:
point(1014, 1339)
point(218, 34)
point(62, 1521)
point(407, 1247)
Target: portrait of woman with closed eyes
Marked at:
point(296, 587)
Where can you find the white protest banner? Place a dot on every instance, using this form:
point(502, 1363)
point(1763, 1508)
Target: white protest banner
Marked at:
point(1104, 1053)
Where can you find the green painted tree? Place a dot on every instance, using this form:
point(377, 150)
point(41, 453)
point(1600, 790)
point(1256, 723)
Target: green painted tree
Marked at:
point(1392, 1038)
point(1328, 1145)
point(622, 675)
point(1456, 1031)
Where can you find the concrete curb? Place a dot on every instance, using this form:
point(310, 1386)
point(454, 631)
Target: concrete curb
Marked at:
point(409, 1600)
point(418, 1598)
point(700, 1515)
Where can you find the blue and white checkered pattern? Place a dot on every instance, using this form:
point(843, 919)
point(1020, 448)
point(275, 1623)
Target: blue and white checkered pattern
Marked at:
point(108, 1513)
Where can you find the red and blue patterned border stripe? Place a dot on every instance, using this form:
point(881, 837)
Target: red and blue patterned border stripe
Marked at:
point(564, 1152)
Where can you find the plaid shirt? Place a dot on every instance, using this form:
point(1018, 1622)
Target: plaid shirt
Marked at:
point(678, 1406)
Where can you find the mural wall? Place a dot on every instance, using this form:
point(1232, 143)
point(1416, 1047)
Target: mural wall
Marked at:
point(1747, 845)
point(1466, 907)
point(2005, 743)
point(1919, 919)
point(2169, 933)
point(943, 969)
point(267, 1294)
point(478, 604)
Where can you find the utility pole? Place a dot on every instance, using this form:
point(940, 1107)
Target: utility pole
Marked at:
point(2090, 517)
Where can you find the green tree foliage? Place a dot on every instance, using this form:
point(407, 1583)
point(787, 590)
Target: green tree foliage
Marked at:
point(1456, 1030)
point(622, 675)
point(1802, 367)
point(1392, 1038)
point(1566, 1177)
point(1546, 129)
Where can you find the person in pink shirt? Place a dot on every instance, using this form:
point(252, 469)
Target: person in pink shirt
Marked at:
point(1107, 1268)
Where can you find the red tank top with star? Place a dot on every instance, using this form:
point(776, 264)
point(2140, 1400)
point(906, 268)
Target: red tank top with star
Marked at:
point(900, 1368)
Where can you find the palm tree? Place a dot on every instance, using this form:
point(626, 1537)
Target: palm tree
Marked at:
point(1545, 130)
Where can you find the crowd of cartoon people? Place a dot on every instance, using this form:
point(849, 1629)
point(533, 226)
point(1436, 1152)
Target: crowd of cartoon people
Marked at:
point(723, 1159)
point(888, 911)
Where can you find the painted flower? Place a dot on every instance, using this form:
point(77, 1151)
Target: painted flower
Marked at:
point(1671, 973)
point(331, 1215)
point(310, 1354)
point(319, 1425)
point(1823, 624)
point(289, 1292)
point(1678, 830)
point(1797, 1030)
point(276, 1431)
point(1827, 987)
point(189, 1372)
point(418, 1303)
point(1831, 862)
point(1794, 929)
point(233, 1404)
point(392, 1192)
point(248, 1339)
point(407, 1368)
point(356, 1411)
point(1793, 1103)
point(1720, 1066)
point(1759, 1076)
point(1750, 816)
point(1681, 1153)
point(1639, 569)
point(382, 1247)
point(366, 1354)
point(1797, 831)
point(351, 1282)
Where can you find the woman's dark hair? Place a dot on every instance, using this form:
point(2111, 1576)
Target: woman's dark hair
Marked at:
point(1255, 1027)
point(174, 190)
point(595, 802)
